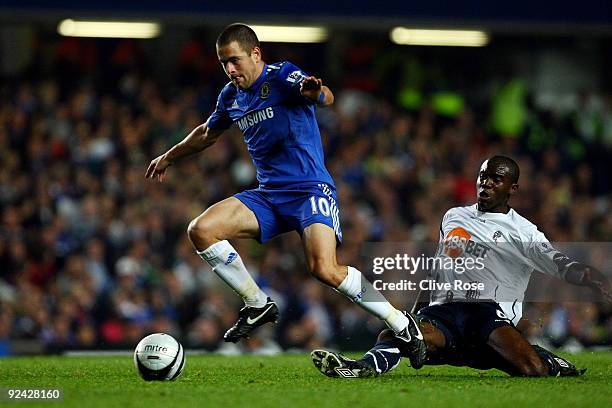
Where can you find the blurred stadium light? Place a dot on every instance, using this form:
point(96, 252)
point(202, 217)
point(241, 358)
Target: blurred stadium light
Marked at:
point(108, 29)
point(409, 124)
point(456, 38)
point(290, 34)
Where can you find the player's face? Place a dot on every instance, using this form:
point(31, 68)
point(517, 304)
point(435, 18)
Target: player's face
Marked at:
point(495, 186)
point(239, 65)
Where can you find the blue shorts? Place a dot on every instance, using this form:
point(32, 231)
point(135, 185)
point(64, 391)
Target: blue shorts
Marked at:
point(293, 209)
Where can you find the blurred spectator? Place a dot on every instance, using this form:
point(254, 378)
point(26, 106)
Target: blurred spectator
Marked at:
point(91, 255)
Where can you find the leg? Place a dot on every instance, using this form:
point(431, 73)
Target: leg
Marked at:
point(209, 233)
point(336, 365)
point(383, 357)
point(386, 355)
point(319, 242)
point(524, 359)
point(434, 338)
point(380, 359)
point(475, 335)
point(558, 366)
point(224, 220)
point(514, 349)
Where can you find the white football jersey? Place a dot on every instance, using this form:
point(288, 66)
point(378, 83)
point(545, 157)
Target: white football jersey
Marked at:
point(505, 250)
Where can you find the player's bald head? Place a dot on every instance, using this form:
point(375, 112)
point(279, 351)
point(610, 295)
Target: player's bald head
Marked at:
point(497, 181)
point(242, 34)
point(511, 169)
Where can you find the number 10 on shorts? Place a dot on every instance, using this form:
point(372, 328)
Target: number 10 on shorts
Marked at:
point(319, 204)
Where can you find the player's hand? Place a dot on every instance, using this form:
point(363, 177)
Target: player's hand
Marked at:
point(598, 283)
point(157, 168)
point(311, 87)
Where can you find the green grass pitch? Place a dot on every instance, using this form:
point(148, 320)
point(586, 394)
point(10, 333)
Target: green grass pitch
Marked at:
point(292, 381)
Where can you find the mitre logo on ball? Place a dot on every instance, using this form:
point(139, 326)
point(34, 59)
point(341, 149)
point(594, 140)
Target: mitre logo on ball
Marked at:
point(159, 357)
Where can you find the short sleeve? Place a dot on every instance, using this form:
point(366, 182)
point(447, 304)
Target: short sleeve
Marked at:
point(291, 78)
point(219, 119)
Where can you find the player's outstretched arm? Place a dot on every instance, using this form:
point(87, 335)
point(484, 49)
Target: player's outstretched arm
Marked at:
point(585, 275)
point(313, 88)
point(199, 139)
point(546, 258)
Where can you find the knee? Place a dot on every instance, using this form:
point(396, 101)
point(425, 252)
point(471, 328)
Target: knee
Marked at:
point(327, 272)
point(201, 233)
point(532, 367)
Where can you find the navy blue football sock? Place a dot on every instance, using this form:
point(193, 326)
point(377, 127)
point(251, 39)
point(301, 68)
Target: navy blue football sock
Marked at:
point(383, 357)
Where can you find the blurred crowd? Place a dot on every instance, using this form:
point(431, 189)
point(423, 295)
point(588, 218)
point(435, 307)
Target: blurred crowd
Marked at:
point(92, 255)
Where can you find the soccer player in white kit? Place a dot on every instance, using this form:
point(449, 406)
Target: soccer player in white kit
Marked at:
point(471, 321)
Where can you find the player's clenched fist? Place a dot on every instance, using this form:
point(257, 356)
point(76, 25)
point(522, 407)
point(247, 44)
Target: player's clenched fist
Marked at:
point(158, 167)
point(311, 87)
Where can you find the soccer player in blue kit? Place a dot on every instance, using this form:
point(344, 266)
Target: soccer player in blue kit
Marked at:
point(273, 105)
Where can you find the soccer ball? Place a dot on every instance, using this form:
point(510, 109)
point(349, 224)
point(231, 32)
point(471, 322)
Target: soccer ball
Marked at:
point(159, 357)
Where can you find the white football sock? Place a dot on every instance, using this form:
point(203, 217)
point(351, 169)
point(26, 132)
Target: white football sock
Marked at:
point(227, 264)
point(360, 291)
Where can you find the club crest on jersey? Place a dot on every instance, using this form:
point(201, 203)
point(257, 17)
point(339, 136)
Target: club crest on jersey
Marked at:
point(295, 77)
point(458, 241)
point(264, 91)
point(497, 235)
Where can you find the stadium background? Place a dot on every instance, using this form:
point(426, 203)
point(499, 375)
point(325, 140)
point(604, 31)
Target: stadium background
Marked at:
point(92, 256)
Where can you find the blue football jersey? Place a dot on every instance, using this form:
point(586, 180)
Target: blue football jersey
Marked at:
point(279, 127)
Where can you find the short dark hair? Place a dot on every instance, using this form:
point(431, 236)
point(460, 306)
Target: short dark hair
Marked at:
point(513, 168)
point(242, 34)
